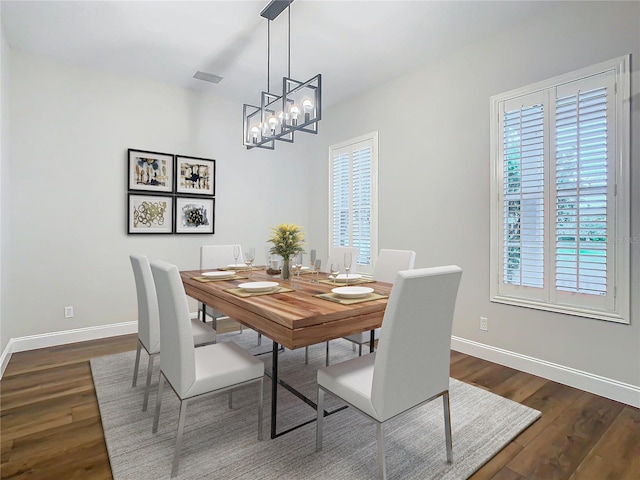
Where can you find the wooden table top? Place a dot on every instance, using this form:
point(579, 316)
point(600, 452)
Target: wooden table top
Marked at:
point(293, 319)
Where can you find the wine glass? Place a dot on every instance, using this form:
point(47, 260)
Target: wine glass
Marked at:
point(312, 264)
point(334, 270)
point(249, 257)
point(236, 254)
point(318, 266)
point(297, 263)
point(347, 265)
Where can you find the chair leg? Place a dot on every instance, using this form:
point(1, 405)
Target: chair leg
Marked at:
point(320, 420)
point(260, 401)
point(259, 339)
point(327, 360)
point(148, 385)
point(176, 453)
point(382, 466)
point(135, 368)
point(156, 416)
point(447, 426)
point(306, 355)
point(359, 350)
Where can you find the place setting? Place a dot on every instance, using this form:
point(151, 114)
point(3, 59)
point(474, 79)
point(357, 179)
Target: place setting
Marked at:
point(251, 289)
point(351, 295)
point(218, 276)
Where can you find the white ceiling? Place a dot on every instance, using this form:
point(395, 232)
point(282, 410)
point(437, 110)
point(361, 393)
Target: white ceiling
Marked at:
point(356, 45)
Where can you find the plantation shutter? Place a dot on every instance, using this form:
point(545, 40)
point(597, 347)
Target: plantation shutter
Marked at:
point(352, 199)
point(362, 203)
point(340, 198)
point(523, 196)
point(560, 217)
point(583, 192)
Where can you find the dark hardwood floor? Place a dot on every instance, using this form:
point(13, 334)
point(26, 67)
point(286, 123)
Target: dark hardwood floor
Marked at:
point(50, 423)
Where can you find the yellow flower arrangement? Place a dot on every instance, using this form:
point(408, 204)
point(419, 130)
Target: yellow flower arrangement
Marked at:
point(287, 239)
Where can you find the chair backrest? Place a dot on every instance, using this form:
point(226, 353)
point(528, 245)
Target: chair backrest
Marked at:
point(217, 256)
point(148, 317)
point(177, 360)
point(336, 255)
point(390, 262)
point(413, 356)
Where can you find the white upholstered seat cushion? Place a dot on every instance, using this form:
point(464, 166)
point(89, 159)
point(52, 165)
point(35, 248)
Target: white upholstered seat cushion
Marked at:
point(351, 381)
point(202, 332)
point(222, 365)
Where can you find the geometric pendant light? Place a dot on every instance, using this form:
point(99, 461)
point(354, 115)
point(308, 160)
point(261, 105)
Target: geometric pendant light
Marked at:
point(295, 108)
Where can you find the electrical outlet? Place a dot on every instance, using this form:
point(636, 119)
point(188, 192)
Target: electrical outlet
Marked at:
point(68, 312)
point(484, 324)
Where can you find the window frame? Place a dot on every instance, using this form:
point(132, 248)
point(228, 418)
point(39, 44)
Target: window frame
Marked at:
point(619, 240)
point(372, 138)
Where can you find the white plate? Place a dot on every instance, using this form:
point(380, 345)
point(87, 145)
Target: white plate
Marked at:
point(352, 276)
point(238, 266)
point(352, 292)
point(219, 274)
point(258, 286)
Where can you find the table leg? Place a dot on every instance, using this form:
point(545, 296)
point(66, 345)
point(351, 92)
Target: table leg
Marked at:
point(371, 341)
point(274, 388)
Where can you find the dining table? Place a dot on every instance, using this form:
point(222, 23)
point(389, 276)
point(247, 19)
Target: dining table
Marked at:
point(298, 313)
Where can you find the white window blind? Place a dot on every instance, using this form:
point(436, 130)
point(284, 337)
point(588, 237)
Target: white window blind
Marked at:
point(523, 204)
point(353, 198)
point(560, 154)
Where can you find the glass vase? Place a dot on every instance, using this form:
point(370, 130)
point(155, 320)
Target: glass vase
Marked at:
point(286, 263)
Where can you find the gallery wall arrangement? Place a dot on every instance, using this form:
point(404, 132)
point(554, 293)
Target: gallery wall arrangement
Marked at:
point(170, 193)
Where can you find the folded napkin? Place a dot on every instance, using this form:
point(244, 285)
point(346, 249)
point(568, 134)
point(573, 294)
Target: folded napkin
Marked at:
point(213, 279)
point(239, 292)
point(355, 281)
point(332, 297)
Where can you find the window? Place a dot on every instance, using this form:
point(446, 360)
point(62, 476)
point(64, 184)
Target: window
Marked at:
point(353, 199)
point(560, 194)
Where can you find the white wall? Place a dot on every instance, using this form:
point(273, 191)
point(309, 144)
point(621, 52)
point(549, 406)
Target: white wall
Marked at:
point(434, 174)
point(4, 166)
point(70, 130)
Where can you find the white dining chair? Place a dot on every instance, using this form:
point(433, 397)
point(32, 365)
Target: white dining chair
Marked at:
point(411, 365)
point(336, 257)
point(219, 256)
point(193, 372)
point(149, 321)
point(389, 263)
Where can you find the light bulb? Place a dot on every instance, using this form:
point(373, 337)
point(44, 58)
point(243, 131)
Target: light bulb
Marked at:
point(307, 105)
point(255, 131)
point(294, 111)
point(273, 123)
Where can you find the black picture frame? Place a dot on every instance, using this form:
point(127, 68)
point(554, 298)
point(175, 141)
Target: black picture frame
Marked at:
point(149, 171)
point(195, 176)
point(194, 215)
point(150, 214)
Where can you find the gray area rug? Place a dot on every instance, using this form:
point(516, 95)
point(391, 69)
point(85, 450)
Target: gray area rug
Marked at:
point(220, 443)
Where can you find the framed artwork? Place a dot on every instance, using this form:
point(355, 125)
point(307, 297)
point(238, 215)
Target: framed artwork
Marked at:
point(150, 171)
point(150, 214)
point(194, 215)
point(195, 176)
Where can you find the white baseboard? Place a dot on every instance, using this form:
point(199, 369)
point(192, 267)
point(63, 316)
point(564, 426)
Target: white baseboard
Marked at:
point(53, 339)
point(605, 387)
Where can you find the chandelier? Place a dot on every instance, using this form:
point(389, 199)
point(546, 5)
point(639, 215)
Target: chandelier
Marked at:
point(295, 109)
